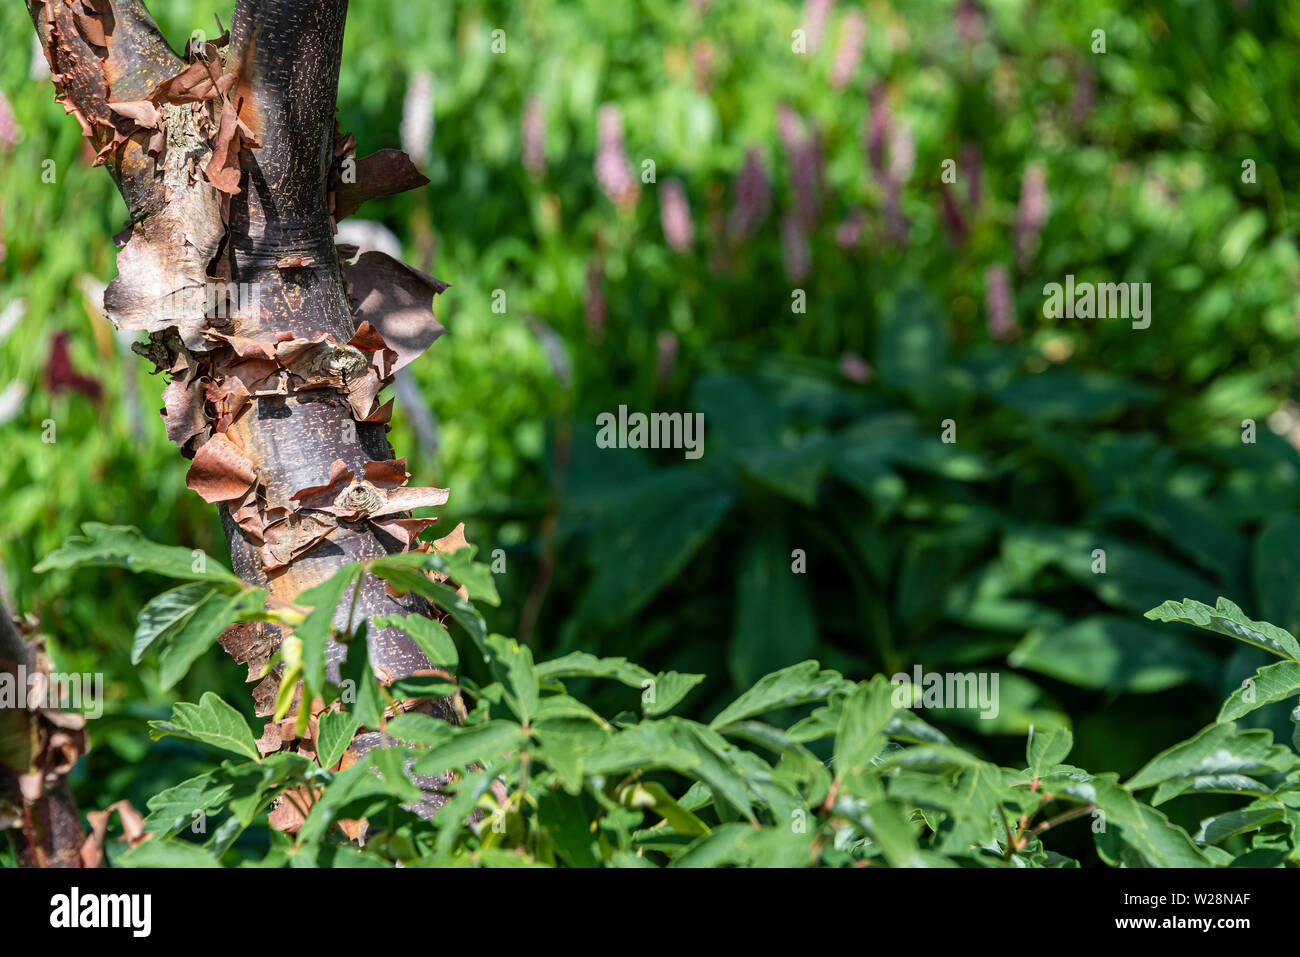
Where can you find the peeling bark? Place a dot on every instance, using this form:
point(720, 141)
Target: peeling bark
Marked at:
point(37, 749)
point(233, 171)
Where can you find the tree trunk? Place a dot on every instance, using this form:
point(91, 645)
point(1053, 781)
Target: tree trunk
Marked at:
point(37, 749)
point(234, 174)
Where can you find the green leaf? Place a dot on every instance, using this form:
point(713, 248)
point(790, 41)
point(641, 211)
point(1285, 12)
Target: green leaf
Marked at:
point(422, 686)
point(482, 744)
point(743, 845)
point(475, 576)
point(567, 743)
point(356, 783)
point(794, 472)
point(775, 626)
point(1116, 654)
point(391, 765)
point(1153, 838)
point(125, 547)
point(419, 729)
point(716, 763)
point(317, 627)
point(431, 637)
point(405, 578)
point(453, 816)
point(167, 853)
point(1219, 749)
point(173, 808)
point(1227, 619)
point(361, 690)
point(797, 684)
point(886, 824)
point(1135, 578)
point(861, 735)
point(1046, 749)
point(580, 664)
point(653, 796)
point(512, 664)
point(1271, 683)
point(165, 613)
point(661, 692)
point(1067, 395)
point(565, 819)
point(670, 687)
point(459, 566)
point(648, 537)
point(677, 745)
point(198, 630)
point(1215, 830)
point(334, 731)
point(213, 722)
point(254, 784)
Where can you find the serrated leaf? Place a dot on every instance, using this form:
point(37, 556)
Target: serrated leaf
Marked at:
point(670, 687)
point(174, 807)
point(211, 721)
point(661, 692)
point(512, 664)
point(1271, 683)
point(1152, 837)
point(861, 736)
point(484, 743)
point(404, 578)
point(317, 627)
point(1219, 749)
point(475, 576)
point(334, 731)
point(580, 664)
point(1223, 826)
point(797, 684)
point(126, 547)
point(886, 824)
point(198, 630)
point(358, 681)
point(677, 745)
point(429, 635)
point(1227, 619)
point(165, 613)
point(167, 853)
point(1046, 749)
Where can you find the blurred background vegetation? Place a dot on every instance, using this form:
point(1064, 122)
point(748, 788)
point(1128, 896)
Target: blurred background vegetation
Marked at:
point(780, 179)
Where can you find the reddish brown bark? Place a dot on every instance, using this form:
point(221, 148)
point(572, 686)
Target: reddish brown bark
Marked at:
point(231, 165)
point(36, 807)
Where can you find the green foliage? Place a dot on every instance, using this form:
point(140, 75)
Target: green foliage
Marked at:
point(805, 768)
point(1072, 437)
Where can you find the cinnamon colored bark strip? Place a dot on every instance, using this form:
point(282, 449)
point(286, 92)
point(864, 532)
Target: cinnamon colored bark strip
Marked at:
point(374, 177)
